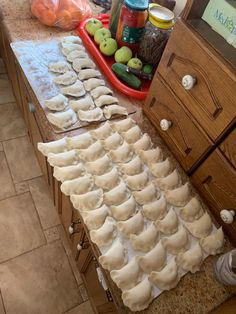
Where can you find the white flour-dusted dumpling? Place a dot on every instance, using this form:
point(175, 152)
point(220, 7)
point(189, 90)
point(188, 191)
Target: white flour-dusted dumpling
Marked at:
point(154, 260)
point(90, 115)
point(88, 201)
point(132, 135)
point(93, 83)
point(151, 156)
point(67, 78)
point(63, 159)
point(200, 228)
point(146, 240)
point(170, 182)
point(105, 100)
point(76, 89)
point(135, 166)
point(80, 141)
point(83, 63)
point(88, 73)
point(57, 103)
point(78, 186)
point(59, 67)
point(68, 47)
point(192, 211)
point(190, 260)
point(104, 235)
point(139, 297)
point(102, 132)
point(156, 209)
point(85, 103)
point(71, 39)
point(76, 54)
point(147, 195)
point(62, 119)
point(128, 276)
point(68, 173)
point(100, 91)
point(138, 181)
point(169, 224)
point(113, 141)
point(124, 210)
point(58, 146)
point(111, 110)
point(117, 195)
point(161, 169)
point(123, 125)
point(108, 180)
point(93, 152)
point(177, 242)
point(122, 154)
point(133, 225)
point(115, 258)
point(167, 278)
point(213, 244)
point(179, 196)
point(99, 166)
point(144, 143)
point(94, 219)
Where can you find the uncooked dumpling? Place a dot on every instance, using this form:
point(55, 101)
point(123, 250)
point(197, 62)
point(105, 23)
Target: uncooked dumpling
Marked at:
point(169, 224)
point(67, 78)
point(93, 83)
point(177, 242)
point(83, 63)
point(113, 141)
point(68, 173)
point(99, 166)
point(124, 210)
point(128, 276)
point(144, 143)
point(78, 186)
point(62, 119)
point(59, 67)
point(154, 260)
point(167, 278)
point(111, 110)
point(85, 103)
point(71, 39)
point(94, 219)
point(76, 89)
point(90, 115)
point(139, 297)
point(123, 125)
point(146, 240)
point(156, 209)
point(104, 235)
point(200, 228)
point(58, 146)
point(117, 195)
point(135, 166)
point(76, 54)
point(79, 141)
point(170, 182)
point(161, 169)
point(132, 135)
point(147, 195)
point(108, 180)
point(63, 159)
point(115, 257)
point(151, 156)
point(68, 47)
point(213, 244)
point(190, 260)
point(179, 196)
point(57, 103)
point(192, 211)
point(105, 100)
point(100, 91)
point(88, 201)
point(88, 73)
point(122, 154)
point(93, 152)
point(102, 132)
point(137, 181)
point(133, 225)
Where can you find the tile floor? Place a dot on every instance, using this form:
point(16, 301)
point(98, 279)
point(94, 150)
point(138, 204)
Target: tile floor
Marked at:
point(37, 272)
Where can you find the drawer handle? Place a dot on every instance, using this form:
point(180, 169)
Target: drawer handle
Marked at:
point(188, 81)
point(31, 107)
point(165, 124)
point(227, 215)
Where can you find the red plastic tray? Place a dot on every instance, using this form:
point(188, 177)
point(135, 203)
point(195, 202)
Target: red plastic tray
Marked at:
point(105, 63)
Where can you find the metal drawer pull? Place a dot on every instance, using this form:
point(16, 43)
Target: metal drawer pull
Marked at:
point(188, 81)
point(31, 107)
point(165, 124)
point(227, 215)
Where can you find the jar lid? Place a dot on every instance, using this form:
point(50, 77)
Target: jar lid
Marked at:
point(138, 5)
point(161, 16)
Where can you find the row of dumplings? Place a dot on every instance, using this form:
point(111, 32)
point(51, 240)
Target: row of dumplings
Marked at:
point(87, 108)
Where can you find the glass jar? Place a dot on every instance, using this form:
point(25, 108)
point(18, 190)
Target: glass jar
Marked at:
point(156, 34)
point(131, 24)
point(114, 16)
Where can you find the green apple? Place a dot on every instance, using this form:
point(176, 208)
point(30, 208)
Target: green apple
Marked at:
point(101, 34)
point(123, 55)
point(92, 26)
point(135, 63)
point(108, 46)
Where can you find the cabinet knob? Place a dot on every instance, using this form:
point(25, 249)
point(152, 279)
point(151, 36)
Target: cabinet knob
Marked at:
point(188, 81)
point(165, 124)
point(32, 108)
point(71, 229)
point(79, 247)
point(227, 215)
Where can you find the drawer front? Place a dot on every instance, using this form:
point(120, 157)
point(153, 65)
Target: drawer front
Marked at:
point(185, 139)
point(216, 179)
point(212, 99)
point(228, 148)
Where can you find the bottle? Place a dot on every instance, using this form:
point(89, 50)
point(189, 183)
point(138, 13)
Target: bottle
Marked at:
point(225, 268)
point(114, 16)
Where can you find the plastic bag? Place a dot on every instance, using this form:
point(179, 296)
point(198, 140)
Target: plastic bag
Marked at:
point(66, 14)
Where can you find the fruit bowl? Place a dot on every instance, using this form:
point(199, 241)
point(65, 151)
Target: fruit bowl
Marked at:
point(105, 63)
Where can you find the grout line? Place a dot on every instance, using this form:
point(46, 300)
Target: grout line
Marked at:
point(1, 298)
point(21, 136)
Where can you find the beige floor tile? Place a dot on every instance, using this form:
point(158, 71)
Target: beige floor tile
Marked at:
point(52, 234)
point(2, 311)
point(6, 94)
point(20, 228)
point(1, 147)
point(39, 282)
point(21, 159)
point(43, 202)
point(11, 122)
point(22, 187)
point(84, 308)
point(7, 187)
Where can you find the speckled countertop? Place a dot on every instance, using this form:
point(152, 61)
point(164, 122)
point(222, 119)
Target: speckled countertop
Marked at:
point(196, 293)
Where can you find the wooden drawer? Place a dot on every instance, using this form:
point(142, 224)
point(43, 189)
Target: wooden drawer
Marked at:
point(215, 179)
point(184, 137)
point(228, 148)
point(212, 99)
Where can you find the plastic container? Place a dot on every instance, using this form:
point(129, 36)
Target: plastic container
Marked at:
point(156, 34)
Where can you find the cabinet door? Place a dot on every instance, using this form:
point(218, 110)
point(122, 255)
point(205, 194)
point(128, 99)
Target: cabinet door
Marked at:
point(228, 148)
point(66, 213)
